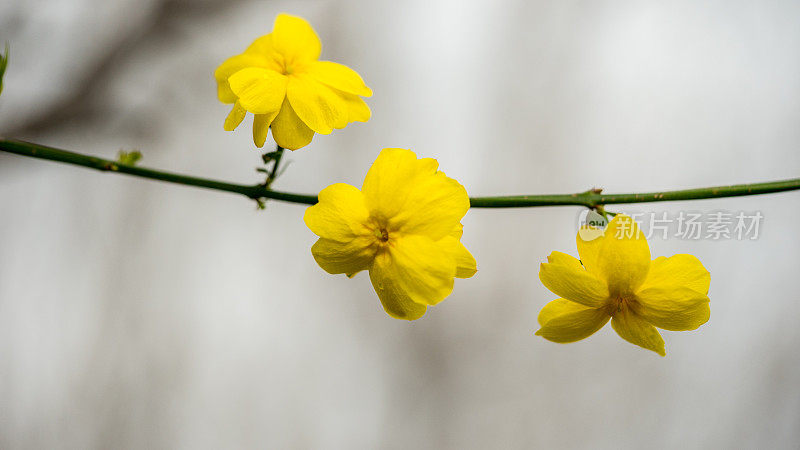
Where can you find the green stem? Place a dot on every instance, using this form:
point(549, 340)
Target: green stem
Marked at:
point(591, 199)
point(276, 162)
point(53, 154)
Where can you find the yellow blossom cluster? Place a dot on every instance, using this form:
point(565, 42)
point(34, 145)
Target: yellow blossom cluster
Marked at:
point(404, 225)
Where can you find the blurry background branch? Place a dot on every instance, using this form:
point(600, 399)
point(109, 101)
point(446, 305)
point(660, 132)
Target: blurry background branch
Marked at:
point(150, 23)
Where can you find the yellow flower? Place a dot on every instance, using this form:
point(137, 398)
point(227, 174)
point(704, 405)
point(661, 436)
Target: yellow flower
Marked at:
point(616, 280)
point(403, 226)
point(279, 79)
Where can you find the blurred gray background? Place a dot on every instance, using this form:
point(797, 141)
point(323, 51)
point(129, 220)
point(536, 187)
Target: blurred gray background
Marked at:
point(136, 314)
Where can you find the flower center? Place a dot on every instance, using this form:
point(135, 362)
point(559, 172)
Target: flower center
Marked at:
point(619, 302)
point(286, 66)
point(382, 234)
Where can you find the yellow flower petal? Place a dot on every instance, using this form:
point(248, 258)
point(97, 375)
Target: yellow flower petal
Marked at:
point(316, 104)
point(390, 179)
point(458, 231)
point(346, 245)
point(261, 124)
point(564, 259)
point(589, 252)
point(674, 309)
point(289, 131)
point(260, 91)
point(636, 330)
point(340, 77)
point(263, 48)
point(395, 300)
point(230, 67)
point(295, 39)
point(344, 257)
point(678, 270)
point(566, 278)
point(339, 215)
point(357, 109)
point(421, 268)
point(433, 205)
point(565, 323)
point(235, 117)
point(465, 262)
point(621, 257)
point(410, 195)
point(558, 307)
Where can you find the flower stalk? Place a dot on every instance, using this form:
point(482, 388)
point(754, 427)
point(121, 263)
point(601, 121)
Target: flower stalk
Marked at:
point(276, 161)
point(590, 199)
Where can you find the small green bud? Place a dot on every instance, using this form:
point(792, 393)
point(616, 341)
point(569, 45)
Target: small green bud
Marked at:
point(129, 158)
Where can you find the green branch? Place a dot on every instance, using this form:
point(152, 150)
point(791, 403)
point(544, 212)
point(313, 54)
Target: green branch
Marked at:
point(590, 199)
point(255, 191)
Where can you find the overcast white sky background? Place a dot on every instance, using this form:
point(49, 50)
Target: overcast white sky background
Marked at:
point(138, 314)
